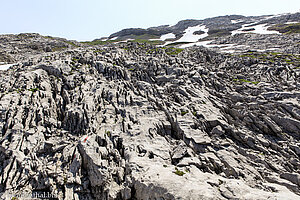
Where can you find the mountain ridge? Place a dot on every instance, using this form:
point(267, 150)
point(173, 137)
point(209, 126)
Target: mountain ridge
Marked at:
point(213, 29)
point(294, 16)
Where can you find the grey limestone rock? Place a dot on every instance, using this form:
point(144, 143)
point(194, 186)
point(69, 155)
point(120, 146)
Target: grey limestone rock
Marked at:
point(130, 121)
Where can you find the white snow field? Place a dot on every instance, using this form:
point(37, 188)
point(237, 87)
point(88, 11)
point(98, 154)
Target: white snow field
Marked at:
point(189, 35)
point(236, 21)
point(167, 36)
point(259, 29)
point(292, 22)
point(226, 48)
point(114, 38)
point(5, 67)
point(202, 43)
point(206, 44)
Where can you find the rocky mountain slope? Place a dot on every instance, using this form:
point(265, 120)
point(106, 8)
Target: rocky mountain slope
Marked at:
point(232, 33)
point(136, 121)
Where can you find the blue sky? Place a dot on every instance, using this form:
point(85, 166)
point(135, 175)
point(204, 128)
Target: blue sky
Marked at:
point(90, 19)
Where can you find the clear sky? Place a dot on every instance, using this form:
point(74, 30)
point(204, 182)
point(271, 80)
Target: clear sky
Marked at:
point(90, 19)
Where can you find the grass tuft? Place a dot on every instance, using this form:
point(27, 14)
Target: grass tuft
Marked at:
point(178, 172)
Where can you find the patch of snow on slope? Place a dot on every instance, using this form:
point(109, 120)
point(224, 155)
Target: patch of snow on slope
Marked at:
point(155, 39)
point(241, 29)
point(262, 29)
point(202, 43)
point(270, 17)
point(236, 21)
point(206, 44)
point(114, 38)
point(189, 35)
point(259, 29)
point(273, 16)
point(226, 48)
point(167, 36)
point(291, 22)
point(5, 67)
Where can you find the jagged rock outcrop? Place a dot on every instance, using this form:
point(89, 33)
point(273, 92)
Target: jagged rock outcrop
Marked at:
point(130, 121)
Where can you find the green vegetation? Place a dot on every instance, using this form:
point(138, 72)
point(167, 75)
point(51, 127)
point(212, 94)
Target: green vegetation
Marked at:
point(286, 28)
point(57, 78)
point(173, 51)
point(33, 90)
point(248, 55)
point(48, 37)
point(273, 57)
point(98, 51)
point(153, 42)
point(125, 48)
point(155, 50)
point(165, 166)
point(19, 90)
point(178, 43)
point(275, 53)
point(71, 43)
point(218, 32)
point(108, 133)
point(178, 172)
point(58, 48)
point(144, 37)
point(184, 112)
point(99, 42)
point(75, 59)
point(245, 81)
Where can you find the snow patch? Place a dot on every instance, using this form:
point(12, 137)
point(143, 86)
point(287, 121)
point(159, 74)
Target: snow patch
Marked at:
point(114, 38)
point(167, 36)
point(202, 43)
point(189, 35)
point(270, 17)
point(206, 44)
point(259, 29)
point(292, 22)
point(273, 16)
point(262, 29)
point(5, 67)
point(229, 51)
point(226, 48)
point(236, 21)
